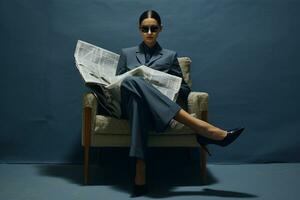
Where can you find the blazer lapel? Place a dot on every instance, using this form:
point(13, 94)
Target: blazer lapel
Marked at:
point(140, 56)
point(155, 57)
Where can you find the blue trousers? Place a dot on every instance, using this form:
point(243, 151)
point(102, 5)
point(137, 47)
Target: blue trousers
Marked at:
point(147, 109)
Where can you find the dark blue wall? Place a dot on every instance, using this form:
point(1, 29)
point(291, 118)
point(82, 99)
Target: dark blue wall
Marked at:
point(245, 55)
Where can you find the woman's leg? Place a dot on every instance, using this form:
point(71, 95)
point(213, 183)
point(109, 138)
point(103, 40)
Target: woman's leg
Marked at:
point(140, 171)
point(136, 111)
point(159, 109)
point(139, 133)
point(144, 105)
point(201, 127)
point(138, 120)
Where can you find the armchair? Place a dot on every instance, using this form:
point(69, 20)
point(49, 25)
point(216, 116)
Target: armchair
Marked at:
point(106, 131)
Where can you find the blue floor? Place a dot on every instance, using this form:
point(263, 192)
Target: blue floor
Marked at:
point(112, 181)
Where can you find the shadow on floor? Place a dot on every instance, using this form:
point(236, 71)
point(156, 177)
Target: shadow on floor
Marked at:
point(162, 178)
point(203, 192)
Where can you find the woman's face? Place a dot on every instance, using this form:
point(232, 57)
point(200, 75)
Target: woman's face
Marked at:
point(149, 29)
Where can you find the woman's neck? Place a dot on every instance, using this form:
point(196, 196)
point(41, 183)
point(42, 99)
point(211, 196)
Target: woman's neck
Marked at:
point(150, 45)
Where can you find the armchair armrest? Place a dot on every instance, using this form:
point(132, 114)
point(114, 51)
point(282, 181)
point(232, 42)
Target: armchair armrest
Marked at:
point(198, 104)
point(89, 100)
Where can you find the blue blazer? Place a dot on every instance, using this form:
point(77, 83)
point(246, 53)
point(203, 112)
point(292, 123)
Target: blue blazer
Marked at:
point(162, 59)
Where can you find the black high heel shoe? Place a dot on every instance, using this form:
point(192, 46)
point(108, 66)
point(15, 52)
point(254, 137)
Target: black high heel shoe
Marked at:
point(229, 138)
point(137, 190)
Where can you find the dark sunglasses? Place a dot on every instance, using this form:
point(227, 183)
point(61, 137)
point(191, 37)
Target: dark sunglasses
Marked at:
point(153, 29)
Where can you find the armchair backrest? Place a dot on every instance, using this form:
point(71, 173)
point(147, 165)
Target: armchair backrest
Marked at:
point(185, 65)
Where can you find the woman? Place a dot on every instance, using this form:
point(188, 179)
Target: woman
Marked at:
point(148, 109)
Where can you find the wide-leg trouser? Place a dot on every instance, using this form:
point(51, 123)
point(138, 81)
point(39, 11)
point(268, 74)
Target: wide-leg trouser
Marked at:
point(147, 109)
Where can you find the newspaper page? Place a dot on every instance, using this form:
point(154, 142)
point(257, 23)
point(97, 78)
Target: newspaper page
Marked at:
point(166, 83)
point(96, 65)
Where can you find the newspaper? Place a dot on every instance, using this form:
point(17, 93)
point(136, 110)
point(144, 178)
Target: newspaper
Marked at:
point(98, 66)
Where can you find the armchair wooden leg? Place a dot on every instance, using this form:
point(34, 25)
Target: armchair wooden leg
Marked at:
point(87, 142)
point(203, 154)
point(203, 164)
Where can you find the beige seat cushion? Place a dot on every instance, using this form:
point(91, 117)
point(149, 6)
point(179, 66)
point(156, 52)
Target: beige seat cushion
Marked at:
point(110, 125)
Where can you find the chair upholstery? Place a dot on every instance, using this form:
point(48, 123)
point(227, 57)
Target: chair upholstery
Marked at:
point(106, 131)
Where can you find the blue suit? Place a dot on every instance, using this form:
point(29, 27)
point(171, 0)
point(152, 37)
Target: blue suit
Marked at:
point(143, 105)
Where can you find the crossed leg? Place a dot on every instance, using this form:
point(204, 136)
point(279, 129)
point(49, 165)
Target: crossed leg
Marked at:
point(201, 127)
